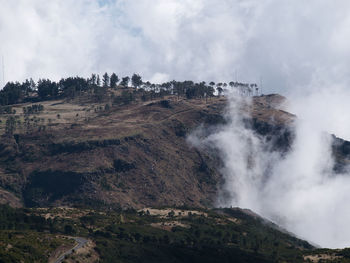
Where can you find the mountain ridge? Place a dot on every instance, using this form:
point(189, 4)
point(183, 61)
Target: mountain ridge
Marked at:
point(136, 142)
point(125, 155)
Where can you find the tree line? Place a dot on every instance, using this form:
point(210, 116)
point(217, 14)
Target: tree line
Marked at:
point(97, 87)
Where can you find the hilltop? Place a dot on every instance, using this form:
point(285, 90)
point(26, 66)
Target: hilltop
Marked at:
point(75, 152)
point(133, 155)
point(124, 177)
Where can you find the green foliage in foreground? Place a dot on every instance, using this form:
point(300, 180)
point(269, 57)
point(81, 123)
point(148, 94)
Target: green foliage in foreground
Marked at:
point(28, 246)
point(221, 235)
point(25, 237)
point(204, 239)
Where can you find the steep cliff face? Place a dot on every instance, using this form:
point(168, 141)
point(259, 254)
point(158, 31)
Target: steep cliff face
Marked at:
point(135, 155)
point(131, 156)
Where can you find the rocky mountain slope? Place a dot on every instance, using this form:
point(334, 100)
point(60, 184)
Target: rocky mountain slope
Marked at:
point(126, 156)
point(123, 178)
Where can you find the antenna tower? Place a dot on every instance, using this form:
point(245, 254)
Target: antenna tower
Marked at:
point(3, 71)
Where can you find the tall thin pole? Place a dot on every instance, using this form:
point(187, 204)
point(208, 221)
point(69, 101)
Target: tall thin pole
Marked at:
point(261, 86)
point(3, 72)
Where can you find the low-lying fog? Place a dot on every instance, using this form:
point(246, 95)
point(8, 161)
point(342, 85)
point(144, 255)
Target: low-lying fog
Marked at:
point(299, 191)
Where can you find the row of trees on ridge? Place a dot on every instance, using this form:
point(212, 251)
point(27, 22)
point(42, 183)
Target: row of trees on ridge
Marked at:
point(97, 87)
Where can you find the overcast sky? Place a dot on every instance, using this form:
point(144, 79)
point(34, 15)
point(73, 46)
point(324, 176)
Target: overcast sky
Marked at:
point(288, 43)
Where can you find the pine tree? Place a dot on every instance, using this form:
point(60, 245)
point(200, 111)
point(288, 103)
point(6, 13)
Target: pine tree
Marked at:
point(105, 80)
point(114, 81)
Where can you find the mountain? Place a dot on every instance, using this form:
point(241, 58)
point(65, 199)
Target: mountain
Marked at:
point(124, 184)
point(136, 155)
point(147, 235)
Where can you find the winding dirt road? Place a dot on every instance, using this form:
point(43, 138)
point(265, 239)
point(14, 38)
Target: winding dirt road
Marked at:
point(81, 242)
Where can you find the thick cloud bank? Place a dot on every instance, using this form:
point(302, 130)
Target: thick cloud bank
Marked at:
point(285, 42)
point(299, 190)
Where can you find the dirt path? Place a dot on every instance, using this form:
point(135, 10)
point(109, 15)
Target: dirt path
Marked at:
point(81, 242)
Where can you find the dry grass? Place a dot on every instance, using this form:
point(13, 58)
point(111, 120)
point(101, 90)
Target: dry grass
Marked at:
point(164, 213)
point(164, 163)
point(271, 109)
point(168, 226)
point(63, 212)
point(55, 114)
point(322, 257)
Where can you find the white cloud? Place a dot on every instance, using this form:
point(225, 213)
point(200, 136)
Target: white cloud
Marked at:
point(299, 190)
point(298, 47)
point(285, 42)
point(45, 39)
point(159, 78)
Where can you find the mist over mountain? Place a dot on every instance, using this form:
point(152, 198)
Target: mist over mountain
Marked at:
point(101, 143)
point(208, 131)
point(296, 186)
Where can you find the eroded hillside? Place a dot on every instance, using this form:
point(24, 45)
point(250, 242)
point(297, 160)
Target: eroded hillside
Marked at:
point(135, 155)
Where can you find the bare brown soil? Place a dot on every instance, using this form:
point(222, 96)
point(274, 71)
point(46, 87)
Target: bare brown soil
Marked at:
point(129, 156)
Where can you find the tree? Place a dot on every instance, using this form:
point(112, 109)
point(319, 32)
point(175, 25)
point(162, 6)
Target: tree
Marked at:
point(12, 93)
point(125, 81)
point(98, 81)
point(70, 86)
point(32, 84)
point(210, 91)
point(46, 88)
point(69, 229)
point(136, 80)
point(125, 98)
point(26, 87)
point(220, 90)
point(93, 79)
point(100, 93)
point(114, 80)
point(105, 80)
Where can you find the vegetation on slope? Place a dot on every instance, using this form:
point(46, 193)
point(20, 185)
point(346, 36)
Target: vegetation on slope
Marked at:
point(76, 149)
point(152, 235)
point(107, 146)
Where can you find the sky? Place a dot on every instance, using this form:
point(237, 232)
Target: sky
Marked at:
point(285, 44)
point(297, 48)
